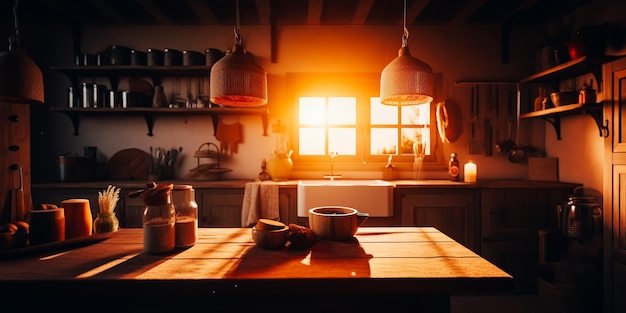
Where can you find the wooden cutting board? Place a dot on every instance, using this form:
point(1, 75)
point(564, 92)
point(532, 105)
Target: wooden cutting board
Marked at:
point(129, 164)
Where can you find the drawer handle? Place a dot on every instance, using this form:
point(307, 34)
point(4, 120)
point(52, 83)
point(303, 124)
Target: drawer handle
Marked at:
point(14, 118)
point(14, 148)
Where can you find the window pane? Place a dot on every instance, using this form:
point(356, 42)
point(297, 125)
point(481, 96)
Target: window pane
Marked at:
point(415, 140)
point(342, 141)
point(382, 114)
point(312, 141)
point(383, 141)
point(416, 114)
point(342, 111)
point(312, 111)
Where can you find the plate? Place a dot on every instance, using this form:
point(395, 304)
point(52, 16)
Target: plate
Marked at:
point(54, 246)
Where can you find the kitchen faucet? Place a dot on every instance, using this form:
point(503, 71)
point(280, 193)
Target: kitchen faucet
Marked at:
point(332, 175)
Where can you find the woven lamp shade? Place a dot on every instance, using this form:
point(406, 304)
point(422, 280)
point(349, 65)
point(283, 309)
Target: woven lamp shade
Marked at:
point(238, 81)
point(406, 80)
point(21, 80)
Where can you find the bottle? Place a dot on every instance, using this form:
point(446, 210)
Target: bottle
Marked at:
point(186, 228)
point(453, 167)
point(587, 95)
point(159, 235)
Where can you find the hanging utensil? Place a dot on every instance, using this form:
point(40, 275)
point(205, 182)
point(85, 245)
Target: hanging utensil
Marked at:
point(475, 147)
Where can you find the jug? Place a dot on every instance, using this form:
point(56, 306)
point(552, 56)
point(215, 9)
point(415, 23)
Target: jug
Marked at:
point(580, 217)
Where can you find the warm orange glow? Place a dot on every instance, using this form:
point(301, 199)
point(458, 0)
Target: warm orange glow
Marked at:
point(342, 141)
point(312, 111)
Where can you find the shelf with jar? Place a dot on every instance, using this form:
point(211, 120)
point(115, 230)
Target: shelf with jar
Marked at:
point(139, 106)
point(554, 76)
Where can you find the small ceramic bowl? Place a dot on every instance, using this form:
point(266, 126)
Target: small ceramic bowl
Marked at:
point(270, 239)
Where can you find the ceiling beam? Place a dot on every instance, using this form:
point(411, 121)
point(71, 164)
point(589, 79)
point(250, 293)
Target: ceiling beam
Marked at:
point(155, 12)
point(468, 11)
point(414, 11)
point(362, 12)
point(315, 11)
point(202, 11)
point(264, 10)
point(107, 11)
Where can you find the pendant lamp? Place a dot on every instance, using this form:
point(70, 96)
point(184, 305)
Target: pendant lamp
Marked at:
point(21, 80)
point(406, 80)
point(236, 79)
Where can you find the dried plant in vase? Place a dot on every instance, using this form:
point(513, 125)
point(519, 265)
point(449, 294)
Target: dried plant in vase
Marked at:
point(106, 221)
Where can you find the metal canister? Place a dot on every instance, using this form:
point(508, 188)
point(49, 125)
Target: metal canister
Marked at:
point(125, 99)
point(115, 99)
point(70, 97)
point(98, 94)
point(86, 95)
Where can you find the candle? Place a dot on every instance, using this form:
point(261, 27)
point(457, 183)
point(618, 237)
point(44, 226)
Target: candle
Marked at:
point(470, 172)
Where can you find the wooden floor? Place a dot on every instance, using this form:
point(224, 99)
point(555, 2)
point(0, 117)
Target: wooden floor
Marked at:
point(527, 303)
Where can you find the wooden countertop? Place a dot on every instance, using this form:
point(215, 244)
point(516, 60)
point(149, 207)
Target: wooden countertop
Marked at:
point(380, 261)
point(129, 184)
point(415, 259)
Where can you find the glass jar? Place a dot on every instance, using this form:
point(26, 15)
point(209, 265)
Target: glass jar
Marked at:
point(186, 228)
point(106, 222)
point(158, 220)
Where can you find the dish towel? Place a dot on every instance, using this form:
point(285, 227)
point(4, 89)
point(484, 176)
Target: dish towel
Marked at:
point(260, 200)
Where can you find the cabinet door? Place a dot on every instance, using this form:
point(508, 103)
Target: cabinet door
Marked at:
point(614, 203)
point(511, 220)
point(220, 207)
point(619, 238)
point(451, 212)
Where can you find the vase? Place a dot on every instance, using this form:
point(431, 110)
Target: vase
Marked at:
point(105, 223)
point(279, 166)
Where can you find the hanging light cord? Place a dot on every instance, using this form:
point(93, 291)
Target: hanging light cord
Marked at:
point(237, 33)
point(15, 40)
point(405, 36)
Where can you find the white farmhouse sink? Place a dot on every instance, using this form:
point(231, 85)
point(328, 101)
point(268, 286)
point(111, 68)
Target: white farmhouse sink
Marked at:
point(374, 197)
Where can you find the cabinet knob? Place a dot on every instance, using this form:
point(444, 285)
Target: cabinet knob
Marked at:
point(14, 148)
point(14, 118)
point(14, 167)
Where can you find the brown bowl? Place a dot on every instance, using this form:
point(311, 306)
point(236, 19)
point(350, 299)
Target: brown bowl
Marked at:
point(335, 222)
point(564, 98)
point(272, 239)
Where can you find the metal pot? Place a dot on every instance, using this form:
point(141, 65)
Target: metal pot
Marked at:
point(580, 217)
point(74, 169)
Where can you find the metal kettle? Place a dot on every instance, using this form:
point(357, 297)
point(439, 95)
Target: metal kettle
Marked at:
point(580, 217)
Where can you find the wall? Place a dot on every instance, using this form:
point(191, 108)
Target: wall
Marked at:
point(460, 53)
point(472, 53)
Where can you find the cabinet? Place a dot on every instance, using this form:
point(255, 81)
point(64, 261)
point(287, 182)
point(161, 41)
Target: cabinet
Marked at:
point(614, 195)
point(510, 222)
point(156, 73)
point(452, 211)
point(553, 76)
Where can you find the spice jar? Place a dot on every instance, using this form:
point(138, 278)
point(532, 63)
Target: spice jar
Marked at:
point(158, 220)
point(186, 208)
point(453, 167)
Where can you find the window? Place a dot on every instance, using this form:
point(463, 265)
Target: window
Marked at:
point(341, 114)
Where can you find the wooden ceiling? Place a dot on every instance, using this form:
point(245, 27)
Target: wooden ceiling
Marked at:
point(292, 12)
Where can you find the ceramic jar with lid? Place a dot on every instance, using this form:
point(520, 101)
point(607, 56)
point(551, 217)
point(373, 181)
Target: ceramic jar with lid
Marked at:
point(158, 220)
point(186, 208)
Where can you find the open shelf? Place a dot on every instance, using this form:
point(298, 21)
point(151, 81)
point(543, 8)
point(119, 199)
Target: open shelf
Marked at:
point(553, 116)
point(148, 114)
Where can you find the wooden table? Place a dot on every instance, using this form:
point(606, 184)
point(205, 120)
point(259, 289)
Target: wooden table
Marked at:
point(382, 269)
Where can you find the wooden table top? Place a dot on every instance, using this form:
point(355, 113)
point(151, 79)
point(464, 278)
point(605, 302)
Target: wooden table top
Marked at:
point(226, 261)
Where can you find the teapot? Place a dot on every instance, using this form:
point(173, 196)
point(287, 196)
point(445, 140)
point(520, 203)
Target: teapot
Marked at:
point(580, 217)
